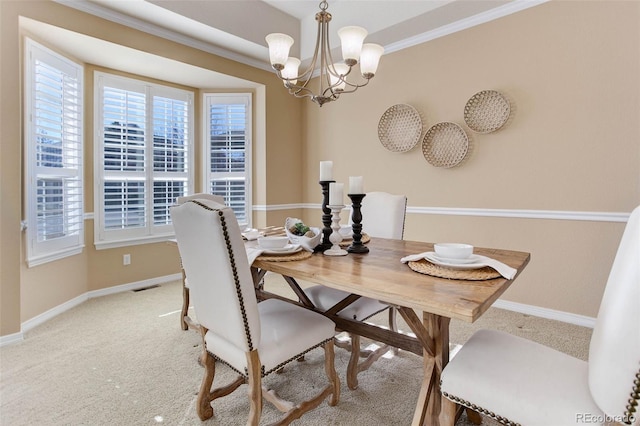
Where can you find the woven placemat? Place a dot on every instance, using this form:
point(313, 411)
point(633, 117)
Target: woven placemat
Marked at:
point(301, 255)
point(423, 266)
point(365, 239)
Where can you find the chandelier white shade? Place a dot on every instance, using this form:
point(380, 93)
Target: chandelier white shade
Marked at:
point(332, 81)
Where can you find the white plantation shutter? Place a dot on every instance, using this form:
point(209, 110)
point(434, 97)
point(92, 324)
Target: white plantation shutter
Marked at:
point(53, 155)
point(145, 138)
point(170, 155)
point(124, 124)
point(228, 162)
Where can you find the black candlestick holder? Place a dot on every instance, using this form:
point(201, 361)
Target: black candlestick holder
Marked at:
point(356, 217)
point(325, 243)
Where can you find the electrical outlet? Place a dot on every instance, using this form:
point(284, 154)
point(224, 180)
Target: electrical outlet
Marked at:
point(126, 259)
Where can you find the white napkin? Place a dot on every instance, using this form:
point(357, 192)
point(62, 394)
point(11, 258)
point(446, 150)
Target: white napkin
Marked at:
point(505, 270)
point(253, 253)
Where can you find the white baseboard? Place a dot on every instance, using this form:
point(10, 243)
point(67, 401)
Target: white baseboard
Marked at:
point(11, 339)
point(552, 314)
point(53, 312)
point(134, 286)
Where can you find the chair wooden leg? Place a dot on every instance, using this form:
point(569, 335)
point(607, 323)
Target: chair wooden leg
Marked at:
point(295, 411)
point(449, 412)
point(332, 375)
point(255, 388)
point(205, 410)
point(185, 304)
point(352, 367)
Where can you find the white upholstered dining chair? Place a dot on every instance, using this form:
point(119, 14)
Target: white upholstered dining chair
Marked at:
point(383, 216)
point(252, 339)
point(516, 381)
point(185, 320)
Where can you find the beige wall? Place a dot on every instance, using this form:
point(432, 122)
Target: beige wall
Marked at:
point(572, 73)
point(26, 292)
point(570, 69)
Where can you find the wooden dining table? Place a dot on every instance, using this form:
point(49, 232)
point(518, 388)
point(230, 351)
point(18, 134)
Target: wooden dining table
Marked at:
point(381, 275)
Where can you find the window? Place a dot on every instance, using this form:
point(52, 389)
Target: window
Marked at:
point(143, 158)
point(228, 151)
point(53, 155)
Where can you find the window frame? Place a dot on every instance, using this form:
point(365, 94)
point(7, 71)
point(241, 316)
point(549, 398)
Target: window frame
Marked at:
point(245, 98)
point(40, 250)
point(149, 233)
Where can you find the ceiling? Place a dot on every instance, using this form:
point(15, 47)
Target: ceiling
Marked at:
point(235, 29)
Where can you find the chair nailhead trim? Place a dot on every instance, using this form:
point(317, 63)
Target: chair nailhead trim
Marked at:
point(282, 364)
point(474, 407)
point(232, 261)
point(278, 367)
point(632, 406)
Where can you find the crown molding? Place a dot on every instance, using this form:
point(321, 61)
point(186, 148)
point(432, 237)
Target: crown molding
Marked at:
point(129, 21)
point(463, 24)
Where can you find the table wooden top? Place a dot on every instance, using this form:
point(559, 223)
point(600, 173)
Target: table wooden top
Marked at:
point(379, 274)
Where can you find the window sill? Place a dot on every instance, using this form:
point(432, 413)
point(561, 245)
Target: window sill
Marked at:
point(103, 245)
point(51, 257)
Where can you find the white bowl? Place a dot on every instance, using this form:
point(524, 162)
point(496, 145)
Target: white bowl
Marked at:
point(453, 250)
point(272, 242)
point(307, 242)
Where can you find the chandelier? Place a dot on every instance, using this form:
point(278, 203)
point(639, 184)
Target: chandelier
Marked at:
point(333, 76)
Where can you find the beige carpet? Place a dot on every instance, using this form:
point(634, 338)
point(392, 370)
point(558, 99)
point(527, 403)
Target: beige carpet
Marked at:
point(123, 360)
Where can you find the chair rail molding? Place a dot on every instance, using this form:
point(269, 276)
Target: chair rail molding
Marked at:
point(459, 211)
point(524, 214)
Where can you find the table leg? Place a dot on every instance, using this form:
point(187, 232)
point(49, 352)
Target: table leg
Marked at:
point(429, 406)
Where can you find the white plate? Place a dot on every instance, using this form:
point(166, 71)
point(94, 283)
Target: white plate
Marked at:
point(458, 266)
point(471, 259)
point(288, 249)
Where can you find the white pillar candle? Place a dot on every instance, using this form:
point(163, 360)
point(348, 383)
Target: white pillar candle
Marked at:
point(336, 196)
point(326, 170)
point(355, 185)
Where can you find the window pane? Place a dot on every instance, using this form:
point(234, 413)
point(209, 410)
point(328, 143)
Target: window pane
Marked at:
point(170, 135)
point(56, 117)
point(58, 204)
point(164, 196)
point(50, 209)
point(124, 204)
point(124, 134)
point(228, 137)
point(234, 193)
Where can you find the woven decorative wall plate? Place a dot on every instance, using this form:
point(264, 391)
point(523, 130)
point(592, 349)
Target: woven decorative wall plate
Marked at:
point(445, 144)
point(400, 128)
point(486, 111)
